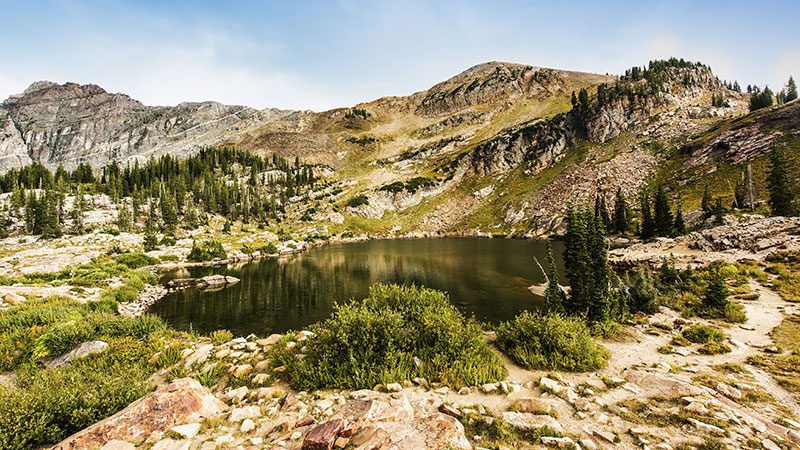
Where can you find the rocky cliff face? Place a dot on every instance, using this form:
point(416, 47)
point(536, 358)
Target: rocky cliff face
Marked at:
point(71, 123)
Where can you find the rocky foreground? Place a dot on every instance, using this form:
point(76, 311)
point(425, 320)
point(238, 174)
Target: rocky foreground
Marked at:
point(644, 399)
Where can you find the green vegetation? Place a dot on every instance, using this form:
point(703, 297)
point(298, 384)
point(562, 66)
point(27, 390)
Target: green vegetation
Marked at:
point(782, 184)
point(357, 201)
point(397, 333)
point(206, 251)
point(411, 185)
point(551, 341)
point(136, 260)
point(760, 99)
point(784, 367)
point(46, 405)
point(712, 338)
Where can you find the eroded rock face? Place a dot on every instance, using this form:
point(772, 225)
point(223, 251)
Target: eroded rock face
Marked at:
point(71, 123)
point(180, 402)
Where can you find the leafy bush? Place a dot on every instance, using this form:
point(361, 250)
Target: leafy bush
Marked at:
point(397, 333)
point(551, 342)
point(269, 249)
point(703, 334)
point(714, 348)
point(734, 313)
point(136, 260)
point(357, 201)
point(219, 337)
point(207, 251)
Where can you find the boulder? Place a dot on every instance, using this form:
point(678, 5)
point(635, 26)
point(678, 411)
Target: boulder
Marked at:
point(180, 402)
point(323, 436)
point(245, 412)
point(527, 421)
point(116, 444)
point(81, 351)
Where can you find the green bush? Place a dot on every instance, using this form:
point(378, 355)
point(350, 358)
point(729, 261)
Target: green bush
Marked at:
point(714, 348)
point(551, 342)
point(136, 260)
point(219, 337)
point(734, 313)
point(269, 249)
point(397, 333)
point(703, 334)
point(357, 201)
point(207, 251)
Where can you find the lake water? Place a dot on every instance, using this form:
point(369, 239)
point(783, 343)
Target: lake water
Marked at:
point(487, 278)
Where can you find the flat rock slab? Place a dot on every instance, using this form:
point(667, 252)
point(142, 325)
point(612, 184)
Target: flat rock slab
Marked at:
point(180, 402)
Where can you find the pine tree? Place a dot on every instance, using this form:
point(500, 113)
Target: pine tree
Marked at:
point(620, 213)
point(719, 212)
point(150, 241)
point(662, 214)
point(553, 297)
point(706, 204)
point(576, 259)
point(679, 226)
point(646, 226)
point(76, 215)
point(599, 306)
point(583, 99)
point(169, 212)
point(123, 217)
point(791, 90)
point(782, 189)
point(51, 227)
point(717, 292)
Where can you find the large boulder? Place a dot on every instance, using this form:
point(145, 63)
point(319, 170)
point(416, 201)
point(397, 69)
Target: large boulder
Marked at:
point(180, 402)
point(81, 351)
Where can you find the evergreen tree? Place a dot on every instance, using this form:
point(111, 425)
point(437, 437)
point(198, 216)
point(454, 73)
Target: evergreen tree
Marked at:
point(599, 295)
point(553, 297)
point(620, 213)
point(719, 212)
point(76, 215)
point(679, 226)
point(717, 292)
point(706, 205)
point(642, 291)
point(169, 212)
point(123, 217)
point(663, 219)
point(646, 226)
point(583, 99)
point(601, 210)
point(51, 227)
point(782, 189)
point(576, 260)
point(791, 90)
point(150, 241)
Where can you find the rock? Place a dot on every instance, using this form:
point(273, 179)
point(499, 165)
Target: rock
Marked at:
point(304, 422)
point(341, 442)
point(727, 390)
point(587, 444)
point(464, 391)
point(660, 385)
point(450, 411)
point(560, 442)
point(530, 405)
point(117, 444)
point(288, 401)
point(188, 431)
point(199, 356)
point(489, 388)
point(323, 436)
point(212, 281)
point(527, 421)
point(769, 445)
point(551, 385)
point(182, 401)
point(171, 444)
point(261, 378)
point(13, 298)
point(605, 435)
point(245, 412)
point(247, 426)
point(81, 351)
point(697, 407)
point(303, 335)
point(394, 387)
point(707, 428)
point(241, 370)
point(269, 341)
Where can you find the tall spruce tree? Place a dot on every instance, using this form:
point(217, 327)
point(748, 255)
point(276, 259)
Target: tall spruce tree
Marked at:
point(599, 306)
point(707, 204)
point(679, 226)
point(663, 219)
point(782, 189)
point(620, 213)
point(646, 225)
point(576, 260)
point(553, 297)
point(791, 90)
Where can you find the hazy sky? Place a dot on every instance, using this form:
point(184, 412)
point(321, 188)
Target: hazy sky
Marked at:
point(308, 54)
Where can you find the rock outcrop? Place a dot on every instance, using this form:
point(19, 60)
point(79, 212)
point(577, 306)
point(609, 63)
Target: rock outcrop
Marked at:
point(180, 402)
point(71, 123)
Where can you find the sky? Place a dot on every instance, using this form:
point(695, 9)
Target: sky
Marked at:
point(315, 54)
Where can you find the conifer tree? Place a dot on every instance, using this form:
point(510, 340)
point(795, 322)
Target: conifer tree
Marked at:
point(663, 219)
point(169, 212)
point(553, 297)
point(51, 226)
point(719, 212)
point(717, 292)
point(620, 213)
point(706, 205)
point(150, 241)
point(576, 259)
point(76, 215)
point(782, 188)
point(646, 226)
point(791, 90)
point(679, 227)
point(123, 217)
point(599, 306)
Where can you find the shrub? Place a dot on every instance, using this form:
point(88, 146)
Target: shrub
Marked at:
point(734, 313)
point(206, 251)
point(219, 337)
point(703, 334)
point(136, 260)
point(714, 348)
point(269, 249)
point(397, 333)
point(551, 342)
point(357, 201)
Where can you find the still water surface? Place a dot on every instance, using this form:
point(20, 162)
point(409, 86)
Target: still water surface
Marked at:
point(488, 278)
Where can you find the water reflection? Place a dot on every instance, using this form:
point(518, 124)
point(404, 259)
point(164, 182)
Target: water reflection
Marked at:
point(485, 277)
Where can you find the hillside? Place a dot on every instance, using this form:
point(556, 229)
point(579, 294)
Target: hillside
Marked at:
point(486, 151)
